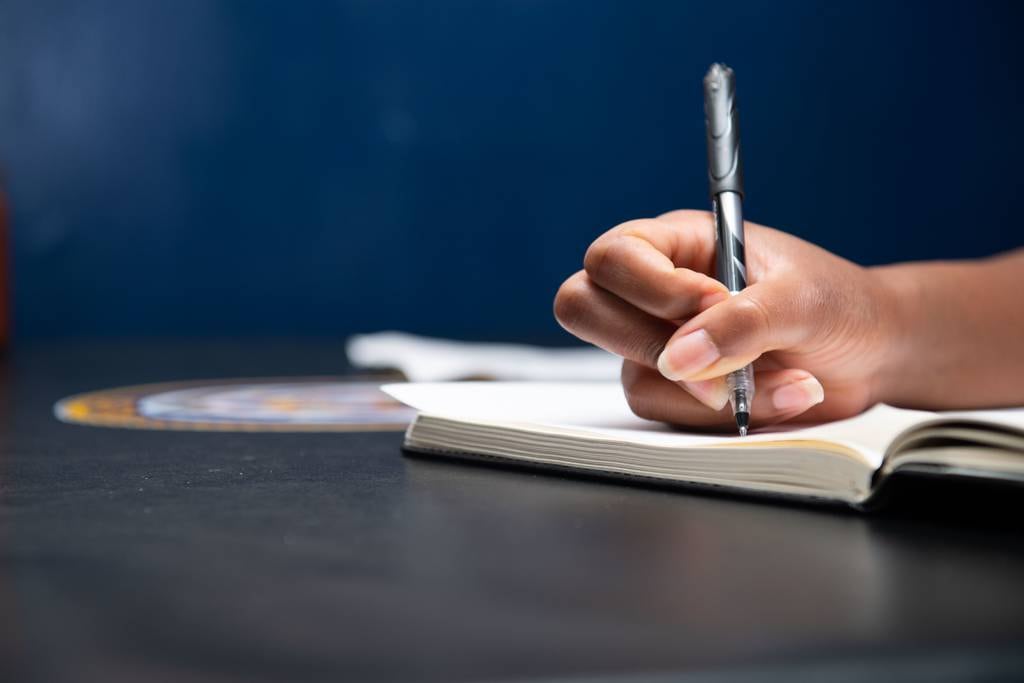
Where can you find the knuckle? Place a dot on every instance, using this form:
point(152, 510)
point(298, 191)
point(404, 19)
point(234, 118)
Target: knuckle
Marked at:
point(641, 408)
point(602, 251)
point(631, 378)
point(639, 404)
point(572, 301)
point(607, 259)
point(596, 258)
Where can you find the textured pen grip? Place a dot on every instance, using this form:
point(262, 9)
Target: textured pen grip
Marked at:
point(741, 382)
point(725, 171)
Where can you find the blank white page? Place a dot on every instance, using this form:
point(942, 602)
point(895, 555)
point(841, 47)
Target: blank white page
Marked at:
point(578, 404)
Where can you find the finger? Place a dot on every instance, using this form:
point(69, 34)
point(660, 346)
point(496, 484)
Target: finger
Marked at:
point(634, 264)
point(687, 238)
point(603, 319)
point(781, 395)
point(714, 392)
point(697, 252)
point(731, 334)
point(653, 397)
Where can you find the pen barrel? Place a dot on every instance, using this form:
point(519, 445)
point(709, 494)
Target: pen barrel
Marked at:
point(725, 168)
point(730, 249)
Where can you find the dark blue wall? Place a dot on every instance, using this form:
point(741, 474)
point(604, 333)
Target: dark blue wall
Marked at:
point(212, 167)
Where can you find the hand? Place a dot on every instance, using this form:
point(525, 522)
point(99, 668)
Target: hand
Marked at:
point(813, 324)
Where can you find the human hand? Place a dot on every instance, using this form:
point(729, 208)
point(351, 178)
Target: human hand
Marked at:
point(813, 324)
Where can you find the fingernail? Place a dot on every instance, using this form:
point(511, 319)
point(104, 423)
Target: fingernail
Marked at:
point(714, 393)
point(709, 300)
point(798, 396)
point(687, 355)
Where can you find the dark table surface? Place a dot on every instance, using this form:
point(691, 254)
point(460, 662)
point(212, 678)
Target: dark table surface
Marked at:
point(135, 555)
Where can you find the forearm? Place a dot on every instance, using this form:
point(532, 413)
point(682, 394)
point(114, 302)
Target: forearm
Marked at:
point(955, 332)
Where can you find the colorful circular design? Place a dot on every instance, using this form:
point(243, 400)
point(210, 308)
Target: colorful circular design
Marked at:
point(324, 404)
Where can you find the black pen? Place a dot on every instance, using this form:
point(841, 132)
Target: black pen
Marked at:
point(725, 172)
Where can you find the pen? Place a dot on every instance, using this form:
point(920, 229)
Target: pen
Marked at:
point(725, 173)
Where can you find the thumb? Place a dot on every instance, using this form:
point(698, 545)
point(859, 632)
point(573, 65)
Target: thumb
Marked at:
point(733, 333)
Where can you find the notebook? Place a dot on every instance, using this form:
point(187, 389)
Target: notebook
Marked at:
point(588, 427)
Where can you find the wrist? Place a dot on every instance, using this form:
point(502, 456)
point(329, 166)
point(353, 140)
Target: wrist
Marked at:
point(898, 295)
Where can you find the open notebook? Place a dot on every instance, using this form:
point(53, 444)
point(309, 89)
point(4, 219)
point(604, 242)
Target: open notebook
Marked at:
point(587, 426)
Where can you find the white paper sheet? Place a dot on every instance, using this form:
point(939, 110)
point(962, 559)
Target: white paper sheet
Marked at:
point(422, 359)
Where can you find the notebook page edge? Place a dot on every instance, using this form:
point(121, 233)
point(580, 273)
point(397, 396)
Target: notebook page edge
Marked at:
point(604, 409)
point(532, 446)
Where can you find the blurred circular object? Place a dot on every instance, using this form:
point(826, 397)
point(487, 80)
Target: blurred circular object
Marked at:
point(336, 404)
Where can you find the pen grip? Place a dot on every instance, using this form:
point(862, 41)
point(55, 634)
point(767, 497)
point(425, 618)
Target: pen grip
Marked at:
point(725, 168)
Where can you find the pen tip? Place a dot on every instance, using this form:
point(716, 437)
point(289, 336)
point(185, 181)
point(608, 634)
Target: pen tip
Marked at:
point(743, 422)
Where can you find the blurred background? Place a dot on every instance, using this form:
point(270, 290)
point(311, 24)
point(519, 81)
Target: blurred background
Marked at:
point(236, 167)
